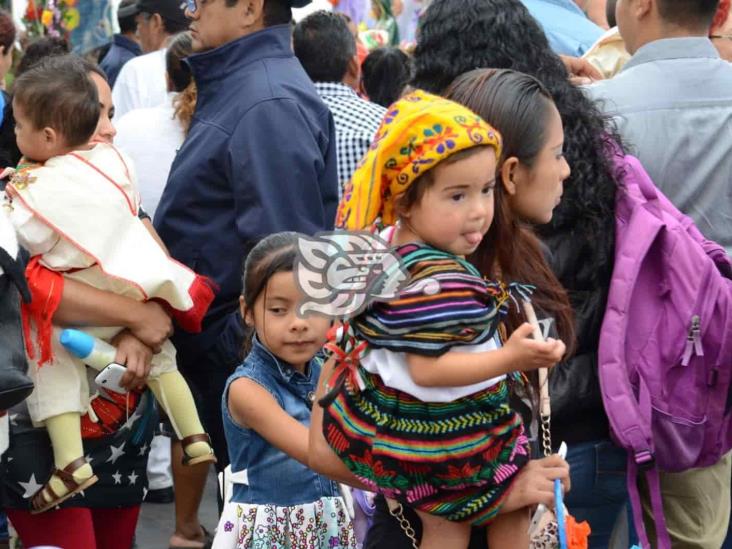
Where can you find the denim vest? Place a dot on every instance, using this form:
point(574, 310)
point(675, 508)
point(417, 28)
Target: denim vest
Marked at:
point(274, 477)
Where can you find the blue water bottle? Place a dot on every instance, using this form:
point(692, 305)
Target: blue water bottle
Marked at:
point(93, 351)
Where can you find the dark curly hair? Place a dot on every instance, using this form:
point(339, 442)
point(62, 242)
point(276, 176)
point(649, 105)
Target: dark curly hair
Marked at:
point(456, 36)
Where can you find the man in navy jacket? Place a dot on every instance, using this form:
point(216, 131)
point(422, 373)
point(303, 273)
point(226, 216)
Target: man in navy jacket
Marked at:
point(124, 45)
point(259, 158)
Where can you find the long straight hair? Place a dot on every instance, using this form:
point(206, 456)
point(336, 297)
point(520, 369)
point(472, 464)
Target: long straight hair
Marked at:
point(517, 105)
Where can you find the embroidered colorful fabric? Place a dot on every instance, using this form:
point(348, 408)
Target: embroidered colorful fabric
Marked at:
point(453, 459)
point(417, 132)
point(456, 459)
point(446, 303)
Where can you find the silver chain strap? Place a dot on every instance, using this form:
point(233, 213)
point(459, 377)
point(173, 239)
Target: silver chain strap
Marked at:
point(397, 511)
point(545, 411)
point(546, 435)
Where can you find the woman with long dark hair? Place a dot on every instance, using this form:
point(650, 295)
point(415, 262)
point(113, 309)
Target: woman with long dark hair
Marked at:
point(530, 166)
point(456, 36)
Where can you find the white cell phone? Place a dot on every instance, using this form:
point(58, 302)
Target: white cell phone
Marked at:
point(110, 377)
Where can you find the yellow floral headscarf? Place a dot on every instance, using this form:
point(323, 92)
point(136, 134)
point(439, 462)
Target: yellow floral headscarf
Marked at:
point(417, 133)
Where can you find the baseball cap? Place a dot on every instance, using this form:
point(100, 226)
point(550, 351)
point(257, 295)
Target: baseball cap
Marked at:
point(172, 10)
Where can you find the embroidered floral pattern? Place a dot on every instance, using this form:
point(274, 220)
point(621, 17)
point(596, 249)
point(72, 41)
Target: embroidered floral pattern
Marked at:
point(417, 133)
point(323, 524)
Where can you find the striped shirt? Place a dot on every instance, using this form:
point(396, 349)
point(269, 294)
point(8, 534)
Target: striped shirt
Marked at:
point(446, 303)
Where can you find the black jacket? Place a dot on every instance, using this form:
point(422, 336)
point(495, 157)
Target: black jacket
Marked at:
point(578, 414)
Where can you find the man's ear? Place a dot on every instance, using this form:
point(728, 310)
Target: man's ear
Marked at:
point(156, 22)
point(353, 70)
point(253, 12)
point(508, 174)
point(642, 8)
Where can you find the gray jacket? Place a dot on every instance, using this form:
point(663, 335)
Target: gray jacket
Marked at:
point(672, 103)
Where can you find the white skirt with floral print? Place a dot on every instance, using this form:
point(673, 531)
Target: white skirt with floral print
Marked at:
point(323, 524)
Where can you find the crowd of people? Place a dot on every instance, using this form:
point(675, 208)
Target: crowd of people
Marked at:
point(164, 194)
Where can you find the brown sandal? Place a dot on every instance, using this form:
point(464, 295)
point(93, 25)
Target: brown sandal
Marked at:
point(40, 501)
point(203, 437)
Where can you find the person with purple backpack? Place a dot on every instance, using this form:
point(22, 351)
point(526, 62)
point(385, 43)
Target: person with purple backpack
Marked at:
point(673, 102)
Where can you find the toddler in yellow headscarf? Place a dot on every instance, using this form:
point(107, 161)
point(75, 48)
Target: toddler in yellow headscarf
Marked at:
point(424, 418)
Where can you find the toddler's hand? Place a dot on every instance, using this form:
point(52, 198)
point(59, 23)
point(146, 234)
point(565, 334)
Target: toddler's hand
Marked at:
point(529, 354)
point(137, 358)
point(7, 172)
point(153, 326)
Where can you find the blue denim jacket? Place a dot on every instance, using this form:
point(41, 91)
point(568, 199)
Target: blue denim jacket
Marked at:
point(274, 477)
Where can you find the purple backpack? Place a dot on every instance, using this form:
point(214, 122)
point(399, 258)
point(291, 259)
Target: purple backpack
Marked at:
point(665, 355)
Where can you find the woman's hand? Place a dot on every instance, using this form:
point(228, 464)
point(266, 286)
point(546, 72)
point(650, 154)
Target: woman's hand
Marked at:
point(136, 356)
point(535, 483)
point(152, 325)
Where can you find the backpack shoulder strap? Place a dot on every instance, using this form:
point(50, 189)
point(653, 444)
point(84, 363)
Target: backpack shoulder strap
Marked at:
point(653, 484)
point(636, 174)
point(629, 417)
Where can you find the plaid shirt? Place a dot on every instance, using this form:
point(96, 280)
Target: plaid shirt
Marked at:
point(356, 122)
